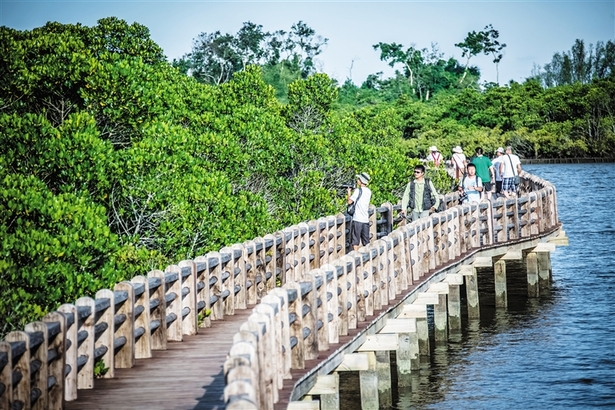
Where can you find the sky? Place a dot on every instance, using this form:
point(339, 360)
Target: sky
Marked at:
point(532, 30)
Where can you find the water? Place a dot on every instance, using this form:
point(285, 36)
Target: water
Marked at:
point(557, 351)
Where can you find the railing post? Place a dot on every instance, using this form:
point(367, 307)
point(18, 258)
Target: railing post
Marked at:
point(236, 396)
point(85, 375)
point(321, 310)
point(271, 258)
point(228, 284)
point(6, 376)
point(314, 244)
point(340, 235)
point(188, 286)
point(304, 247)
point(253, 293)
point(284, 341)
point(21, 390)
point(215, 274)
point(415, 254)
point(373, 224)
point(70, 354)
point(125, 356)
point(265, 314)
point(388, 217)
point(55, 370)
point(203, 300)
point(106, 338)
point(158, 314)
point(310, 350)
point(295, 308)
point(174, 305)
point(280, 262)
point(275, 304)
point(240, 279)
point(388, 274)
point(40, 379)
point(143, 345)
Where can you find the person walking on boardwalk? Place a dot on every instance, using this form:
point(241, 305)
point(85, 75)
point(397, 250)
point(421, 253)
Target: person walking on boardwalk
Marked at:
point(498, 168)
point(361, 198)
point(472, 184)
point(484, 169)
point(434, 156)
point(510, 176)
point(420, 197)
point(459, 163)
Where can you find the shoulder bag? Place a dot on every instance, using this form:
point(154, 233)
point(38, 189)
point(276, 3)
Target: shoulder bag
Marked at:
point(351, 207)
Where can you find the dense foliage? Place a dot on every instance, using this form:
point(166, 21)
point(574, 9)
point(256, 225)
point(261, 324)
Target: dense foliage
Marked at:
point(113, 161)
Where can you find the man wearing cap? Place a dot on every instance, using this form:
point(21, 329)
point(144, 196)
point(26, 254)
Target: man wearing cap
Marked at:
point(459, 162)
point(361, 197)
point(420, 197)
point(498, 167)
point(434, 156)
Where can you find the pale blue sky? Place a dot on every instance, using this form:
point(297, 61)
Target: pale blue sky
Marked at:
point(532, 30)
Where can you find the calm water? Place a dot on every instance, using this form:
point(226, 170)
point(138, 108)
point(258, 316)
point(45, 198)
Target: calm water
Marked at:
point(557, 351)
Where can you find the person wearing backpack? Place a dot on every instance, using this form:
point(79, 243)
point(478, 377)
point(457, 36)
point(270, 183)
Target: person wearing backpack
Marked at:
point(358, 207)
point(420, 197)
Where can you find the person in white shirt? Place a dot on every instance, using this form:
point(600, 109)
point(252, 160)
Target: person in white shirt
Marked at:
point(498, 167)
point(434, 156)
point(361, 197)
point(512, 168)
point(459, 162)
point(472, 184)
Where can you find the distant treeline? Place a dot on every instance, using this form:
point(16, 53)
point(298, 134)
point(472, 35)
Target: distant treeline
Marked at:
point(114, 161)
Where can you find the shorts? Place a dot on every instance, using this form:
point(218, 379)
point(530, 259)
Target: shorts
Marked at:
point(487, 187)
point(508, 184)
point(360, 233)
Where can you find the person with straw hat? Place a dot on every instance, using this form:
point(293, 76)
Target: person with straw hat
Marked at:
point(360, 198)
point(459, 162)
point(434, 156)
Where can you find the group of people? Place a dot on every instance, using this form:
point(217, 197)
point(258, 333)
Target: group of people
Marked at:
point(482, 177)
point(476, 178)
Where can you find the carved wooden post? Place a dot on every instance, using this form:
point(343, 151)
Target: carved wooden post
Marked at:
point(158, 314)
point(314, 244)
point(475, 227)
point(125, 356)
point(70, 354)
point(284, 341)
point(216, 289)
point(342, 301)
point(333, 303)
point(304, 247)
point(368, 281)
point(281, 261)
point(272, 301)
point(265, 315)
point(241, 278)
point(107, 337)
point(295, 308)
point(340, 235)
point(40, 378)
point(143, 344)
point(190, 322)
point(55, 370)
point(227, 270)
point(6, 376)
point(373, 234)
point(203, 301)
point(272, 258)
point(310, 317)
point(253, 265)
point(388, 273)
point(349, 264)
point(388, 217)
point(85, 350)
point(21, 390)
point(173, 280)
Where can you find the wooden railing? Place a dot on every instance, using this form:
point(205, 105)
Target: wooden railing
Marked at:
point(50, 360)
point(293, 323)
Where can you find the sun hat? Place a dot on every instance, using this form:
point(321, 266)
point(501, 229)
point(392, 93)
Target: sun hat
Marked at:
point(458, 150)
point(500, 150)
point(433, 148)
point(364, 177)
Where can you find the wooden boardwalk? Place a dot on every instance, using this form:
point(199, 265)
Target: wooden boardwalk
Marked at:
point(188, 375)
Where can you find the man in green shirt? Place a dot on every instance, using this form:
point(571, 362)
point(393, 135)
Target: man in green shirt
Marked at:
point(420, 197)
point(484, 169)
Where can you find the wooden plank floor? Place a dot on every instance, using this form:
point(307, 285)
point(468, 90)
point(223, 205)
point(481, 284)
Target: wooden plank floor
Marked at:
point(188, 375)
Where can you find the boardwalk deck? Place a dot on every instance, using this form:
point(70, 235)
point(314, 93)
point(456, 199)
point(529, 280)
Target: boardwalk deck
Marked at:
point(188, 375)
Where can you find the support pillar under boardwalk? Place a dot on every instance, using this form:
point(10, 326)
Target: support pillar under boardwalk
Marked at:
point(454, 302)
point(501, 291)
point(383, 372)
point(368, 380)
point(544, 270)
point(471, 279)
point(533, 290)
